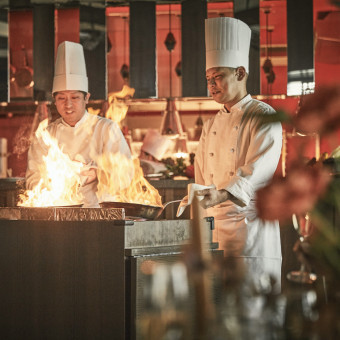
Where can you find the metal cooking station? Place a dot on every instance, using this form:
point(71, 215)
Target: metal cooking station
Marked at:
point(76, 276)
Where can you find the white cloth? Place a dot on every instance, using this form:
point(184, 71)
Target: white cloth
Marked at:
point(187, 200)
point(239, 154)
point(90, 137)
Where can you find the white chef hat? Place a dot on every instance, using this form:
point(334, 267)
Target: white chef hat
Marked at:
point(155, 144)
point(227, 42)
point(70, 68)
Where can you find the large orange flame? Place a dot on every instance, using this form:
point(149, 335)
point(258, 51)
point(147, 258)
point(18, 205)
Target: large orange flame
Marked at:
point(121, 180)
point(60, 181)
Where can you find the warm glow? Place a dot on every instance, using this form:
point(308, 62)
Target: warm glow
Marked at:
point(181, 155)
point(117, 107)
point(60, 180)
point(122, 180)
point(93, 111)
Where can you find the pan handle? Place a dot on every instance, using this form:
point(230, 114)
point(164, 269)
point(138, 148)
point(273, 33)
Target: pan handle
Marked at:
point(170, 202)
point(164, 206)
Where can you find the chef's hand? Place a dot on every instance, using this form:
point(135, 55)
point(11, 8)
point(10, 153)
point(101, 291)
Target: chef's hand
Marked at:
point(89, 175)
point(212, 197)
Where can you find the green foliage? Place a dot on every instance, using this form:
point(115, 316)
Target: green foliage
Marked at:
point(325, 245)
point(174, 167)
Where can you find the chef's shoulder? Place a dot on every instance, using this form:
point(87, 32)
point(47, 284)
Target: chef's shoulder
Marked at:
point(104, 122)
point(38, 141)
point(105, 125)
point(260, 107)
point(53, 126)
point(257, 111)
point(261, 114)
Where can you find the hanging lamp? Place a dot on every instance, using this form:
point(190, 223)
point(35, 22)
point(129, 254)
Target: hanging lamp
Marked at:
point(267, 65)
point(171, 123)
point(124, 70)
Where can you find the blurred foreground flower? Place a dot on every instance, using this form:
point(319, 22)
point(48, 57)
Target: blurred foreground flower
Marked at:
point(319, 111)
point(296, 193)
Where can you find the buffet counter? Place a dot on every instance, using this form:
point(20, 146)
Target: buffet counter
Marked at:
point(81, 279)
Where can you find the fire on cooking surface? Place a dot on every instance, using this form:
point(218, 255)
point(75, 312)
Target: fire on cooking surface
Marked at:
point(120, 179)
point(60, 181)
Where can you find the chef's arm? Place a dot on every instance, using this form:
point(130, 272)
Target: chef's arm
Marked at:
point(32, 174)
point(88, 175)
point(34, 163)
point(198, 160)
point(212, 197)
point(261, 161)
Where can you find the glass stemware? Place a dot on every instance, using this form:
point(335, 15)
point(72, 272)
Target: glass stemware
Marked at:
point(304, 227)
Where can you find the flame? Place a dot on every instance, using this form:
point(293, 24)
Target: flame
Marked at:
point(117, 108)
point(60, 181)
point(121, 180)
point(93, 111)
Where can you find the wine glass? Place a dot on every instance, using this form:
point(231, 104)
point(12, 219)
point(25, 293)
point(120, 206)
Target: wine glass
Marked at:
point(304, 227)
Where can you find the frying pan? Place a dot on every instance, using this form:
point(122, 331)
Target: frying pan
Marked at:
point(150, 212)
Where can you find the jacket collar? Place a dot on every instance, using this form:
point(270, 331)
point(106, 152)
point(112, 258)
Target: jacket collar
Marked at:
point(238, 105)
point(80, 122)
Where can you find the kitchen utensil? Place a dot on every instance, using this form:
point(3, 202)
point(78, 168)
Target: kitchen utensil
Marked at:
point(150, 212)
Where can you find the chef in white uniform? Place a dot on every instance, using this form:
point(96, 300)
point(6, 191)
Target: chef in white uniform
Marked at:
point(152, 151)
point(82, 136)
point(237, 152)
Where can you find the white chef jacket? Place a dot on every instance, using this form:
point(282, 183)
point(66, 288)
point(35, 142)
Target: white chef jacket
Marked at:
point(239, 154)
point(92, 136)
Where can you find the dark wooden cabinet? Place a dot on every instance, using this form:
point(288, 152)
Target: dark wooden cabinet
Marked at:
point(10, 188)
point(171, 190)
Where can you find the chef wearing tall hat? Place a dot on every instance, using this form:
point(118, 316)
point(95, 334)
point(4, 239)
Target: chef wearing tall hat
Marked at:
point(237, 152)
point(82, 136)
point(153, 150)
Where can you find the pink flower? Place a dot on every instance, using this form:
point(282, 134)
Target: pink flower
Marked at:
point(296, 193)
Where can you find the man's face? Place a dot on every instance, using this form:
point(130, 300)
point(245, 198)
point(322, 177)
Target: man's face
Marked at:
point(222, 84)
point(71, 105)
